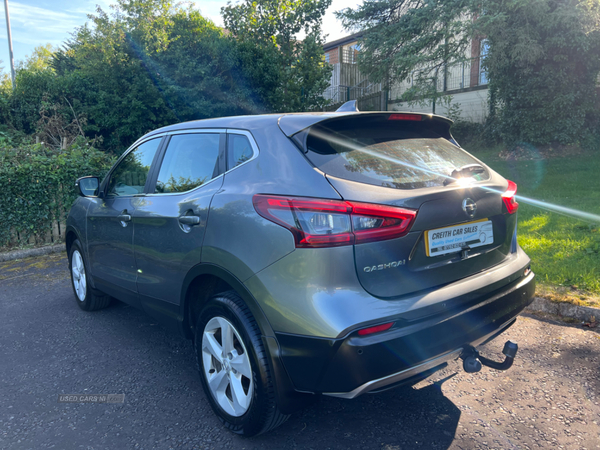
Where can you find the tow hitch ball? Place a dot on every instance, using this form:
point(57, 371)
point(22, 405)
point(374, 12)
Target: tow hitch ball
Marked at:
point(473, 361)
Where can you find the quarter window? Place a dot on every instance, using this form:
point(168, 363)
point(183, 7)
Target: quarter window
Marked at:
point(239, 148)
point(191, 160)
point(129, 177)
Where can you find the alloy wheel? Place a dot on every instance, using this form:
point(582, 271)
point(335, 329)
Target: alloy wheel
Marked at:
point(78, 273)
point(226, 366)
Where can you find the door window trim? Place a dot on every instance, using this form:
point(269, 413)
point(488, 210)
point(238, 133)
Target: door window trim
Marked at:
point(151, 186)
point(105, 183)
point(162, 147)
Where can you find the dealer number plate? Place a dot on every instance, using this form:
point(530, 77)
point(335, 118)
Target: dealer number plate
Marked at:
point(453, 239)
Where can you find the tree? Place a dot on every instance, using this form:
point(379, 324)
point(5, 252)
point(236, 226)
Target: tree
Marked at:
point(149, 64)
point(542, 59)
point(543, 67)
point(290, 74)
point(34, 76)
point(39, 60)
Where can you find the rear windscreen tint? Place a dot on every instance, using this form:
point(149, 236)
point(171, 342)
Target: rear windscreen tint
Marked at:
point(389, 153)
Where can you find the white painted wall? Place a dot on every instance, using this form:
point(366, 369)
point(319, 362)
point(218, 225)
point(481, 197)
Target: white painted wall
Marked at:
point(473, 106)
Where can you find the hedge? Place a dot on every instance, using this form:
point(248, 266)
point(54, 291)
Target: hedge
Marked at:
point(37, 188)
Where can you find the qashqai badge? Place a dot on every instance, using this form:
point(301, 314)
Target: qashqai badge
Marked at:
point(469, 207)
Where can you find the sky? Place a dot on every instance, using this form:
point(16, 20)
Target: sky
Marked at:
point(38, 22)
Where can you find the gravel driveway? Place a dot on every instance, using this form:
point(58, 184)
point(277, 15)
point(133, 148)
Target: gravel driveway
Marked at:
point(550, 398)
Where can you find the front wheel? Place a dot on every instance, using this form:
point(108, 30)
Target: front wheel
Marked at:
point(87, 299)
point(234, 368)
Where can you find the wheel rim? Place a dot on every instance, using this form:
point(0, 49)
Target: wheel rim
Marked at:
point(226, 366)
point(78, 274)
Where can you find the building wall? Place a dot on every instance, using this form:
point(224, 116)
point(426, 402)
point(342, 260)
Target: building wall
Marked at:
point(473, 105)
point(332, 56)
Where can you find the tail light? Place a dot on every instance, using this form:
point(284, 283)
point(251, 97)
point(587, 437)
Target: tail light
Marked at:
point(509, 198)
point(332, 223)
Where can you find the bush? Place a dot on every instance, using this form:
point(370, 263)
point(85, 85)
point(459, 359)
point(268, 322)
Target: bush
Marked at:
point(37, 185)
point(464, 131)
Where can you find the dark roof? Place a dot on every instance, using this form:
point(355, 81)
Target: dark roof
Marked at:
point(342, 41)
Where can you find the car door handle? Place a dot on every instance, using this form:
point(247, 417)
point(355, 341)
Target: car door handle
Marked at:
point(124, 217)
point(189, 220)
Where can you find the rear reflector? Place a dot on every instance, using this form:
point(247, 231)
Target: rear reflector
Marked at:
point(332, 223)
point(413, 117)
point(509, 198)
point(375, 329)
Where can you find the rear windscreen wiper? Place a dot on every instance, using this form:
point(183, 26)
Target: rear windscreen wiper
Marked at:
point(465, 171)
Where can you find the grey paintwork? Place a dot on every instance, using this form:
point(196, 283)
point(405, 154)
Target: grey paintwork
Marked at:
point(237, 237)
point(314, 292)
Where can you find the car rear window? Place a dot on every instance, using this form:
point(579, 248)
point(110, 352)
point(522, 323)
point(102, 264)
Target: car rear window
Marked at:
point(391, 153)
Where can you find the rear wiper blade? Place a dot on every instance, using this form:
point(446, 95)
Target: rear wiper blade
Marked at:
point(469, 170)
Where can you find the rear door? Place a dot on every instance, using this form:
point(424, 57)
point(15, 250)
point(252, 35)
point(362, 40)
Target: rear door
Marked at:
point(410, 161)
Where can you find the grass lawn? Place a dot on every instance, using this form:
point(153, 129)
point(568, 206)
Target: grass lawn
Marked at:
point(565, 250)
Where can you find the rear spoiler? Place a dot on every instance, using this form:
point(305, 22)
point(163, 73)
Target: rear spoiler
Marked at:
point(291, 124)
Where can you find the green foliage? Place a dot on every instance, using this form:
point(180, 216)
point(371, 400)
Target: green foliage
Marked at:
point(37, 185)
point(290, 73)
point(562, 247)
point(400, 36)
point(39, 60)
point(543, 66)
point(153, 63)
point(542, 62)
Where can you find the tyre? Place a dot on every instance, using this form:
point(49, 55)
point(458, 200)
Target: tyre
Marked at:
point(234, 367)
point(86, 297)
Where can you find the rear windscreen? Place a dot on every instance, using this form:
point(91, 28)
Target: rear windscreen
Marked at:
point(391, 153)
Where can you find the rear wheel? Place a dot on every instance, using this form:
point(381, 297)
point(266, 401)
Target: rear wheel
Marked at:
point(234, 367)
point(86, 297)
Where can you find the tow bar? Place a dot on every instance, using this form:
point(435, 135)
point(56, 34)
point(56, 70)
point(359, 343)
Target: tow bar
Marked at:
point(473, 361)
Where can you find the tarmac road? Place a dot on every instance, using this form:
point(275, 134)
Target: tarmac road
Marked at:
point(550, 398)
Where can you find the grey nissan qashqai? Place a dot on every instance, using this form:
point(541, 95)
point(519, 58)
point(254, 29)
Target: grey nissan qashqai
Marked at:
point(329, 253)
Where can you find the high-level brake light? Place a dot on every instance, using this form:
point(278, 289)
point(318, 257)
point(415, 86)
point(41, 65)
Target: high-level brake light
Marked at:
point(413, 117)
point(332, 223)
point(508, 197)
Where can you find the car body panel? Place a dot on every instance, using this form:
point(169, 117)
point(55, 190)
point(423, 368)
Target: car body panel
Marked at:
point(110, 247)
point(165, 250)
point(338, 366)
point(314, 292)
point(252, 242)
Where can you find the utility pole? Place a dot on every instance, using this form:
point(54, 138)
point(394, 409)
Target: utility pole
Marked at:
point(10, 48)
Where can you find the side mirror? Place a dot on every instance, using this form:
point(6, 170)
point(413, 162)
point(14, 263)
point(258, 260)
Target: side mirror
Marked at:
point(87, 186)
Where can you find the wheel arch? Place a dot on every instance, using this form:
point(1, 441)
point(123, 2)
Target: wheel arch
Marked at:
point(71, 235)
point(192, 299)
point(205, 280)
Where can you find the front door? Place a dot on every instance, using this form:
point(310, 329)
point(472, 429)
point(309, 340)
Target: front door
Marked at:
point(110, 226)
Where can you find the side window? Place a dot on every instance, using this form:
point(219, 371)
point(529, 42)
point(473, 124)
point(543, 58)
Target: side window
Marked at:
point(190, 161)
point(129, 177)
point(239, 149)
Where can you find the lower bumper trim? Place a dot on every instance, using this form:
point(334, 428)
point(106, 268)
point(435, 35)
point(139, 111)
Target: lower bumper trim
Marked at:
point(397, 377)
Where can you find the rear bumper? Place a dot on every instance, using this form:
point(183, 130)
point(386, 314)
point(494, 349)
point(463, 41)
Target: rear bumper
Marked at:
point(354, 365)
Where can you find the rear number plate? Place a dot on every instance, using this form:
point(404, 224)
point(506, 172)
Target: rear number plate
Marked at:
point(453, 239)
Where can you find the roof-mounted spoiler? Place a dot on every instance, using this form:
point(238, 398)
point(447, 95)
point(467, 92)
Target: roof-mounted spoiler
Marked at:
point(351, 106)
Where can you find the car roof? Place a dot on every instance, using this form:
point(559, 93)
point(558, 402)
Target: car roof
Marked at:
point(290, 123)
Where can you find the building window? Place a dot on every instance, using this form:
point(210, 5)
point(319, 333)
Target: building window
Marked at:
point(350, 53)
point(483, 52)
